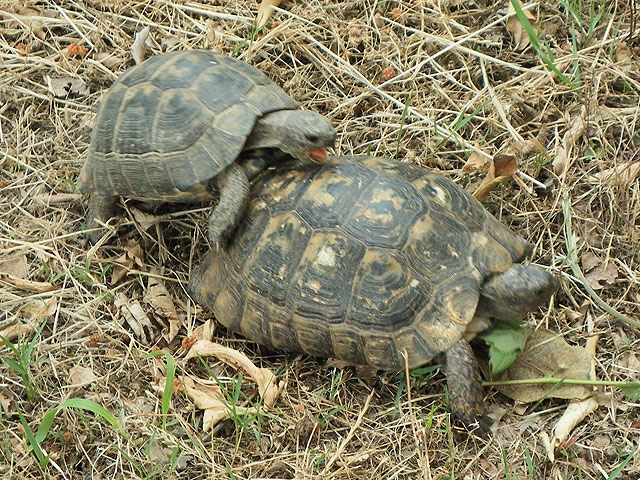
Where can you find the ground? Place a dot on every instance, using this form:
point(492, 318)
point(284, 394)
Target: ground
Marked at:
point(449, 85)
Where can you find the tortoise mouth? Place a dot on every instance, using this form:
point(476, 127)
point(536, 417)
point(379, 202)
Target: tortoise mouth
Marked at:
point(318, 155)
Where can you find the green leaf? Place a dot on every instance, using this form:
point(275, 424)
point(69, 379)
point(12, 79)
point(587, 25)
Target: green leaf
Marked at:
point(506, 340)
point(632, 390)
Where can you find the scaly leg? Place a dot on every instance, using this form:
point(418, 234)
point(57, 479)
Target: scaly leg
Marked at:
point(233, 186)
point(101, 208)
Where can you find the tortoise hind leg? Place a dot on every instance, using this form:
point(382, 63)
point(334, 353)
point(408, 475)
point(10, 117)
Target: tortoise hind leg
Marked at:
point(463, 381)
point(233, 186)
point(101, 209)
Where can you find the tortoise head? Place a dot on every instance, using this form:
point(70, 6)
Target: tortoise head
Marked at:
point(516, 292)
point(303, 134)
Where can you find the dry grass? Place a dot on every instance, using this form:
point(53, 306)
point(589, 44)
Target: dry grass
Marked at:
point(459, 74)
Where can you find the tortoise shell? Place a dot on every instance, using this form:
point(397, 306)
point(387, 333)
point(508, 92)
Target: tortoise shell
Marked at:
point(172, 123)
point(360, 259)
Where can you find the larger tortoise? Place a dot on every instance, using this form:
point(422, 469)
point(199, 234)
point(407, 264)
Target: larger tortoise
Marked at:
point(370, 260)
point(172, 128)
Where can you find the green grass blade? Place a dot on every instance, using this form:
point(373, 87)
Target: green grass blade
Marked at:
point(167, 393)
point(33, 441)
point(79, 403)
point(535, 43)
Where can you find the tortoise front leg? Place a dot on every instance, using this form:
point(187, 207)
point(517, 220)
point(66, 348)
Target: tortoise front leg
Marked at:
point(101, 209)
point(233, 186)
point(464, 383)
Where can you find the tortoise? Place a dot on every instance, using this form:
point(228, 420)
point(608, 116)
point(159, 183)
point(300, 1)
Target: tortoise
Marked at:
point(171, 129)
point(374, 262)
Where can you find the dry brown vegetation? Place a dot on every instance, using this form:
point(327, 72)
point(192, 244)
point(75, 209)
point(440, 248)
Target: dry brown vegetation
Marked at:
point(435, 83)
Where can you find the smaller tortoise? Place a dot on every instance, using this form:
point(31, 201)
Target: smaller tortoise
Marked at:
point(368, 260)
point(172, 128)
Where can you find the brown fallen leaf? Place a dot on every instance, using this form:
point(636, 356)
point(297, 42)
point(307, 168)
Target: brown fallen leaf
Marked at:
point(476, 163)
point(62, 87)
point(145, 220)
point(6, 401)
point(577, 411)
point(80, 375)
point(560, 163)
point(27, 285)
point(132, 256)
point(546, 354)
point(26, 17)
point(208, 398)
point(30, 315)
point(516, 29)
point(503, 167)
point(265, 10)
point(15, 265)
point(108, 59)
point(17, 330)
point(167, 42)
point(265, 378)
point(139, 46)
point(204, 331)
point(620, 175)
point(158, 298)
point(598, 274)
point(135, 316)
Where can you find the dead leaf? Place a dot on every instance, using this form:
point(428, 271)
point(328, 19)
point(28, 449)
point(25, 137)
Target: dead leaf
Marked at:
point(145, 220)
point(159, 299)
point(204, 331)
point(572, 416)
point(26, 18)
point(476, 163)
point(516, 29)
point(265, 10)
point(546, 354)
point(132, 256)
point(14, 331)
point(597, 274)
point(621, 175)
point(139, 46)
point(168, 42)
point(80, 375)
point(108, 59)
point(561, 163)
point(62, 87)
point(624, 57)
point(503, 167)
point(266, 380)
point(31, 314)
point(208, 398)
point(27, 285)
point(135, 316)
point(15, 265)
point(5, 402)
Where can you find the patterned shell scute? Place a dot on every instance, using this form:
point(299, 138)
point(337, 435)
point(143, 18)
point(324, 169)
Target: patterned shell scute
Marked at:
point(180, 118)
point(362, 258)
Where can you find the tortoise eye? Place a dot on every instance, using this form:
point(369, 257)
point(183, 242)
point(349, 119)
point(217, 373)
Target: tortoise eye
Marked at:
point(311, 138)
